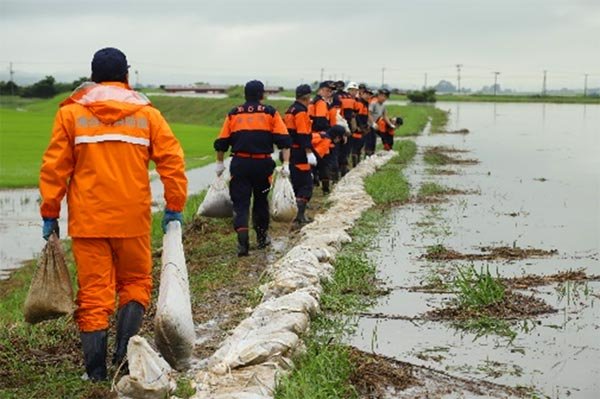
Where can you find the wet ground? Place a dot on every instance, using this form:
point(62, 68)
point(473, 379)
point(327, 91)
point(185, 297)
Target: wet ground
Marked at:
point(536, 186)
point(20, 222)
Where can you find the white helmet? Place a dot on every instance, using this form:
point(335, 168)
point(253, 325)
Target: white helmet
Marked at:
point(351, 85)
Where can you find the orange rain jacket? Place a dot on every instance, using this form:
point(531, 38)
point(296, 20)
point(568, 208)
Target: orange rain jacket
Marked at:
point(103, 139)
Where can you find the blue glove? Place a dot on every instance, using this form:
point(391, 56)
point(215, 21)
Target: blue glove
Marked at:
point(50, 226)
point(171, 216)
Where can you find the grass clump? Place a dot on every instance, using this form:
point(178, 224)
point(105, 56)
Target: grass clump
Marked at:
point(322, 372)
point(436, 158)
point(431, 189)
point(388, 185)
point(477, 289)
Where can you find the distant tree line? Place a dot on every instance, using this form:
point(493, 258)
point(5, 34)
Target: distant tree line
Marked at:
point(45, 88)
point(422, 96)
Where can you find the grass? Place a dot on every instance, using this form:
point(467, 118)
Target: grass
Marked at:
point(477, 289)
point(324, 369)
point(25, 127)
point(416, 117)
point(436, 158)
point(202, 111)
point(431, 189)
point(388, 185)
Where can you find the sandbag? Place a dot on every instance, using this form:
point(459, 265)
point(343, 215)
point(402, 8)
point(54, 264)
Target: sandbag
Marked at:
point(283, 203)
point(217, 202)
point(149, 375)
point(50, 293)
point(173, 324)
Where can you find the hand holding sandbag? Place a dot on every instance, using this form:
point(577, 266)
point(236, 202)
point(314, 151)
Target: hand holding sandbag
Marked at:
point(50, 226)
point(50, 294)
point(219, 168)
point(285, 170)
point(171, 216)
point(283, 203)
point(217, 202)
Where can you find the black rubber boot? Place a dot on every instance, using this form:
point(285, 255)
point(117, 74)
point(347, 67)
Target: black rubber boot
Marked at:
point(243, 243)
point(94, 354)
point(262, 237)
point(355, 160)
point(129, 321)
point(325, 186)
point(344, 170)
point(301, 216)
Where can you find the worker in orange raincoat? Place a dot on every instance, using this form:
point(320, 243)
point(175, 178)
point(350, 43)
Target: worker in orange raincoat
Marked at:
point(319, 113)
point(302, 156)
point(104, 137)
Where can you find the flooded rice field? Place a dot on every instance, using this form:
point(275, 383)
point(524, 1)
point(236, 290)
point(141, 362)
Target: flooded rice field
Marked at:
point(21, 225)
point(527, 205)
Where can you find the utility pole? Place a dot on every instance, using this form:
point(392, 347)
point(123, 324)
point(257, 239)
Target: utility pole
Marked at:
point(11, 71)
point(425, 84)
point(137, 79)
point(496, 82)
point(585, 85)
point(382, 76)
point(544, 83)
point(458, 66)
point(322, 71)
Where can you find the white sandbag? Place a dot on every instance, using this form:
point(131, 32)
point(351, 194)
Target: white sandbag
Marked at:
point(341, 121)
point(260, 337)
point(217, 202)
point(149, 374)
point(283, 203)
point(173, 323)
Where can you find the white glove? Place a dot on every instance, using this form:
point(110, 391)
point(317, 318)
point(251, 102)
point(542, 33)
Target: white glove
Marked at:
point(312, 159)
point(374, 125)
point(285, 169)
point(392, 126)
point(220, 168)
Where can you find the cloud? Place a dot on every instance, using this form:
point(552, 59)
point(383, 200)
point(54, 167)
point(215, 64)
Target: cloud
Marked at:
point(289, 42)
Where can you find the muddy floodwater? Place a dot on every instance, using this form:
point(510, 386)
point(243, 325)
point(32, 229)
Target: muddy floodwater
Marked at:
point(21, 225)
point(536, 185)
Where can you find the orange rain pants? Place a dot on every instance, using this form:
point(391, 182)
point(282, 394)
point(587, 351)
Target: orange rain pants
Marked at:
point(106, 266)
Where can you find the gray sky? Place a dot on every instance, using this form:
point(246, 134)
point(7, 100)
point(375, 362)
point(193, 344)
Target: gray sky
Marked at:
point(287, 42)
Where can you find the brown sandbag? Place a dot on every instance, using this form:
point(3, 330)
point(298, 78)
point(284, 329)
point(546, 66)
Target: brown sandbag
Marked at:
point(50, 294)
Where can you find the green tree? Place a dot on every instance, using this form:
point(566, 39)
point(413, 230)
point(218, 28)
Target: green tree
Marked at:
point(9, 88)
point(425, 96)
point(45, 88)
